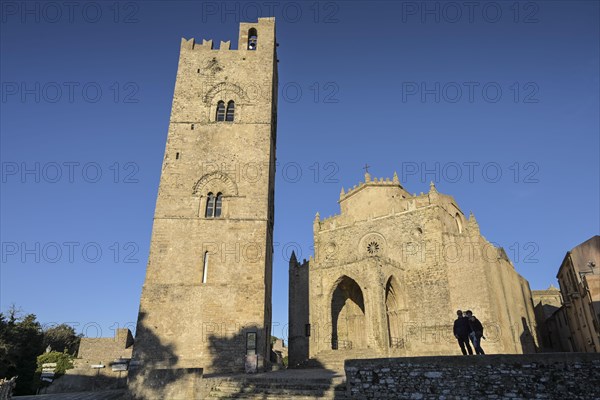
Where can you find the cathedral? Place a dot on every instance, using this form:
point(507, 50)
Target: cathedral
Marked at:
point(388, 272)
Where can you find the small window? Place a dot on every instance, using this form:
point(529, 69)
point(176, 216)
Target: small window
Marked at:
point(210, 205)
point(220, 111)
point(218, 203)
point(177, 156)
point(230, 111)
point(252, 39)
point(205, 269)
point(192, 127)
point(250, 343)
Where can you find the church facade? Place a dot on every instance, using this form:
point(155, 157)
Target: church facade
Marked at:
point(389, 273)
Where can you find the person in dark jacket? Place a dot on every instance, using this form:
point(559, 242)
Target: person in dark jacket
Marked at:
point(476, 332)
point(462, 329)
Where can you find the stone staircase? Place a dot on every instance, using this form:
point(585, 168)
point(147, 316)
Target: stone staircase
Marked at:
point(334, 359)
point(291, 384)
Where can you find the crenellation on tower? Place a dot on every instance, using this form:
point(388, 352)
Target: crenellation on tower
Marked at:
point(188, 44)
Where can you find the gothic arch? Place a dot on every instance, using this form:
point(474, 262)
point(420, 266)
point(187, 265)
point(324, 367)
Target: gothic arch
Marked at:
point(458, 221)
point(348, 322)
point(395, 310)
point(215, 182)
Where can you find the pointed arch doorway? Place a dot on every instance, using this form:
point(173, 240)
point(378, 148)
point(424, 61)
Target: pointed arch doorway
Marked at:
point(348, 320)
point(394, 307)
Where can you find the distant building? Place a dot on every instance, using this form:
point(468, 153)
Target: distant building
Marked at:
point(559, 332)
point(546, 303)
point(279, 352)
point(553, 329)
point(579, 279)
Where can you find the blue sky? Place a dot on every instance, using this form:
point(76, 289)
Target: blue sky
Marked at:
point(497, 102)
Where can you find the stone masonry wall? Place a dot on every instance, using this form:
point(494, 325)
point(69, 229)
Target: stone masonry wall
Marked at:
point(540, 376)
point(105, 350)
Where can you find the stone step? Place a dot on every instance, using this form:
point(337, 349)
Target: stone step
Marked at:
point(314, 385)
point(281, 393)
point(100, 395)
point(264, 395)
point(334, 360)
point(254, 389)
point(259, 396)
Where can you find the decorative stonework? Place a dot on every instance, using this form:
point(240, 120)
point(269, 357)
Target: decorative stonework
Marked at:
point(215, 182)
point(227, 87)
point(372, 244)
point(330, 251)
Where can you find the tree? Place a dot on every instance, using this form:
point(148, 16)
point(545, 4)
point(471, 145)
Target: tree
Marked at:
point(62, 338)
point(21, 341)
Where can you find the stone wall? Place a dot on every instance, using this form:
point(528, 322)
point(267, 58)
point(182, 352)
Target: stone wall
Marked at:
point(105, 350)
point(165, 383)
point(539, 376)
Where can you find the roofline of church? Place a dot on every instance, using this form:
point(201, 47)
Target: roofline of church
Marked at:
point(368, 182)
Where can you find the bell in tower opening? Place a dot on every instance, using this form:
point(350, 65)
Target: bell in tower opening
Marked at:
point(252, 39)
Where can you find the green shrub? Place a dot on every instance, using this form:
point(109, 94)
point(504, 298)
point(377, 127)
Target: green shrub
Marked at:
point(64, 361)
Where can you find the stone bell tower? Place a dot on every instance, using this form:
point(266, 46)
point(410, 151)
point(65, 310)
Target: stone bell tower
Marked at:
point(206, 300)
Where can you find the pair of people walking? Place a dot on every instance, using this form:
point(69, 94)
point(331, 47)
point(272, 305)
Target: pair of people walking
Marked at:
point(467, 327)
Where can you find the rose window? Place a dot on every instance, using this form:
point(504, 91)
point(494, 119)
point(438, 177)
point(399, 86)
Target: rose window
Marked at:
point(373, 248)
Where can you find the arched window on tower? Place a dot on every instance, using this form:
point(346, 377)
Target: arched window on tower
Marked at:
point(230, 111)
point(210, 205)
point(252, 39)
point(214, 205)
point(218, 204)
point(220, 111)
